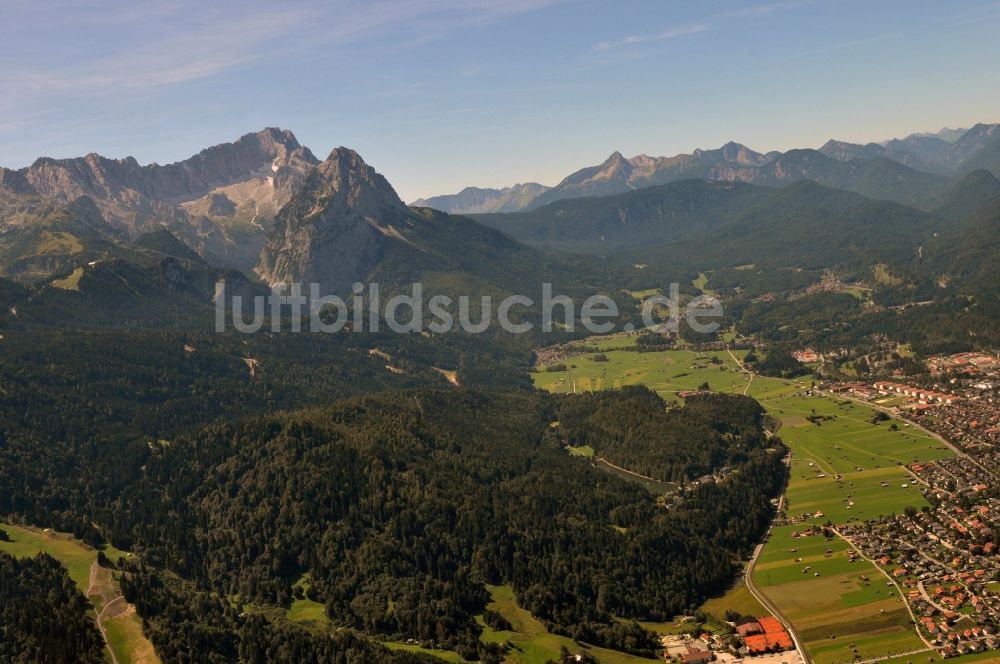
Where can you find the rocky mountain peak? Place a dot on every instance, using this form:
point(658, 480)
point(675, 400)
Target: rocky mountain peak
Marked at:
point(335, 227)
point(356, 184)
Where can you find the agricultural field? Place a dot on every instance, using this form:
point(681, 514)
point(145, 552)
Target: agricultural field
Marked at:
point(840, 608)
point(845, 468)
point(667, 372)
point(840, 437)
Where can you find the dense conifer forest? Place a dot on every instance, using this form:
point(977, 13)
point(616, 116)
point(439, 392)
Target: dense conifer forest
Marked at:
point(44, 618)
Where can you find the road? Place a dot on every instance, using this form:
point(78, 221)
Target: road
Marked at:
point(755, 591)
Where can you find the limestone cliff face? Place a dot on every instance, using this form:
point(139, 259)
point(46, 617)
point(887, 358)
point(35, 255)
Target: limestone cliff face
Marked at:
point(334, 230)
point(220, 201)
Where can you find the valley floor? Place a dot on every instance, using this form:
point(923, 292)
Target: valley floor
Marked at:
point(844, 469)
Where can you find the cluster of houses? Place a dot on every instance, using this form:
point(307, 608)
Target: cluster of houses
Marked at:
point(972, 423)
point(949, 594)
point(807, 356)
point(968, 415)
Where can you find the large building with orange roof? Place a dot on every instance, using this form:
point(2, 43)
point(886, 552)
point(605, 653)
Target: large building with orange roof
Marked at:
point(774, 638)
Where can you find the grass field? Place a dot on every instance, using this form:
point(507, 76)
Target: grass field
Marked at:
point(58, 242)
point(839, 607)
point(28, 543)
point(533, 644)
point(306, 610)
point(739, 599)
point(849, 610)
point(71, 282)
point(444, 655)
point(667, 372)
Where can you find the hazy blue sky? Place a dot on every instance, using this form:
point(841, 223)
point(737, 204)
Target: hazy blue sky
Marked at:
point(439, 94)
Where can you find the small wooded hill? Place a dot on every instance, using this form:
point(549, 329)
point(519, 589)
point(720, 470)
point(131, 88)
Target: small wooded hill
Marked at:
point(412, 500)
point(967, 256)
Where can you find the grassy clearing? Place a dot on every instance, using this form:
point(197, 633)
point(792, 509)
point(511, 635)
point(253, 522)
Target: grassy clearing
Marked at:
point(58, 242)
point(75, 556)
point(737, 598)
point(124, 632)
point(306, 610)
point(532, 643)
point(642, 295)
point(71, 282)
point(444, 655)
point(701, 282)
point(582, 451)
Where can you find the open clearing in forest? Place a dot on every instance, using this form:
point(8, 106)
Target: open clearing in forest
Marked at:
point(533, 644)
point(121, 626)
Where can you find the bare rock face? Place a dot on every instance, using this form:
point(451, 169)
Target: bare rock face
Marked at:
point(220, 201)
point(335, 228)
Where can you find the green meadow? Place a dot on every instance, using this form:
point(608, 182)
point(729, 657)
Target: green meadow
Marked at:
point(531, 642)
point(124, 632)
point(667, 372)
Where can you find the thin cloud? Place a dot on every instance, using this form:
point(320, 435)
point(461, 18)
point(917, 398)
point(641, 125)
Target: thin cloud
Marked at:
point(706, 25)
point(763, 10)
point(672, 33)
point(170, 45)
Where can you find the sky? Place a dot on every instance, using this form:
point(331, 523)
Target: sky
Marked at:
point(442, 94)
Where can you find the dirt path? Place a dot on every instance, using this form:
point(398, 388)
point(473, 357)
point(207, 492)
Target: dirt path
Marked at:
point(744, 370)
point(101, 592)
point(626, 470)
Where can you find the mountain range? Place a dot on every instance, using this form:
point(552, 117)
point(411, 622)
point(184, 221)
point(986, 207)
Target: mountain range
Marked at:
point(263, 206)
point(913, 170)
point(267, 207)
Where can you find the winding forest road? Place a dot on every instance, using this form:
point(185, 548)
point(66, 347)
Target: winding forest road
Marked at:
point(91, 590)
